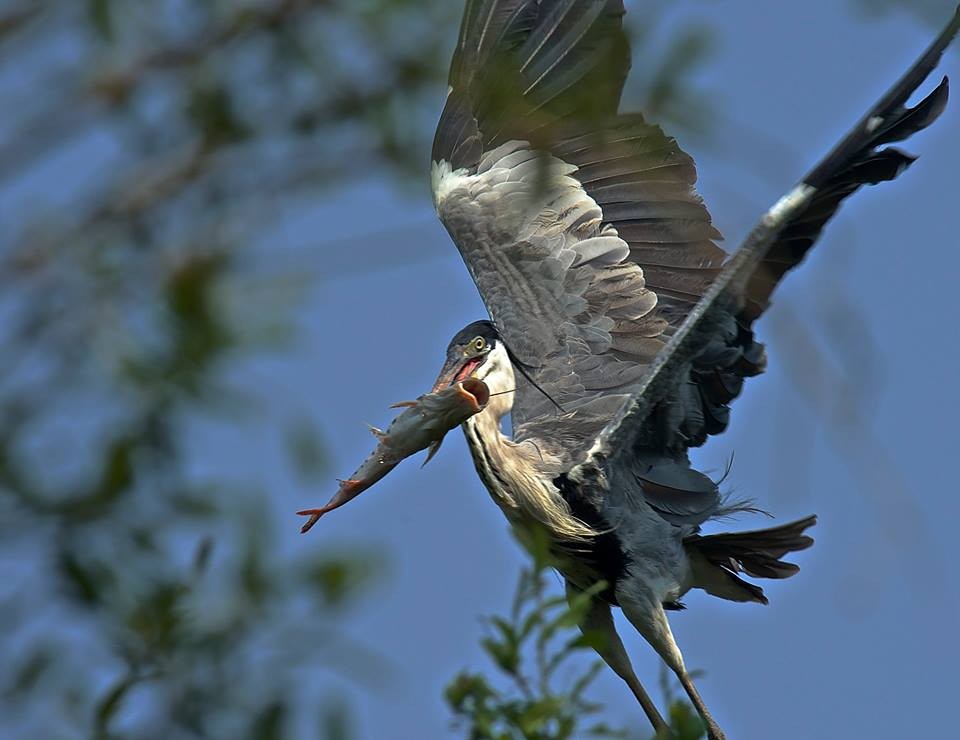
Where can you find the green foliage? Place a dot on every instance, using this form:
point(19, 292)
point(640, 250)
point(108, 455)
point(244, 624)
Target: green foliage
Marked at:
point(530, 648)
point(101, 17)
point(538, 651)
point(685, 723)
point(178, 597)
point(213, 114)
point(671, 98)
point(306, 449)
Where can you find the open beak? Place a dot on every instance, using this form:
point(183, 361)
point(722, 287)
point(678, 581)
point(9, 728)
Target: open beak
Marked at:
point(454, 370)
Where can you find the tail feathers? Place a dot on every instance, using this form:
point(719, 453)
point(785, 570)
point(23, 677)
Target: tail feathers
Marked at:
point(716, 559)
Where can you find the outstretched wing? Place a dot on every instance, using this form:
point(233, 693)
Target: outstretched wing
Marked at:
point(580, 227)
point(778, 243)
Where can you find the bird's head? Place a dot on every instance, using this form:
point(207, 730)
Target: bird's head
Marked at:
point(477, 351)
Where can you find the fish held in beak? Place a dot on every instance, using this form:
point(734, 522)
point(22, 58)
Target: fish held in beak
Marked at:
point(422, 425)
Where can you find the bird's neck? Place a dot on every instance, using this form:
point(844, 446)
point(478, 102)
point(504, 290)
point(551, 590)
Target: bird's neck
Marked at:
point(489, 448)
point(517, 479)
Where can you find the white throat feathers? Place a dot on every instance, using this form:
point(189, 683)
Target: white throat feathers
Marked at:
point(509, 471)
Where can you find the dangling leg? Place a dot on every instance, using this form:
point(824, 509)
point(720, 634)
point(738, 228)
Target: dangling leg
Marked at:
point(651, 622)
point(600, 621)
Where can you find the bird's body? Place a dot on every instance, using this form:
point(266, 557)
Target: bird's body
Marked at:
point(610, 529)
point(620, 331)
point(590, 542)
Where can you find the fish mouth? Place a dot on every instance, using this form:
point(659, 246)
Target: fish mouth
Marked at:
point(476, 393)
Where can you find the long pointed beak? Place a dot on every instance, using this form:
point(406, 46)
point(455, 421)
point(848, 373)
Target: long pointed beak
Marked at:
point(448, 373)
point(454, 370)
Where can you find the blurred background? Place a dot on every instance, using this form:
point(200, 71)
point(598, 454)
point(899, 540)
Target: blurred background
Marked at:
point(218, 259)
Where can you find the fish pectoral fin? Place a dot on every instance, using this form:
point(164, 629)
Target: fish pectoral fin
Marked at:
point(378, 433)
point(432, 451)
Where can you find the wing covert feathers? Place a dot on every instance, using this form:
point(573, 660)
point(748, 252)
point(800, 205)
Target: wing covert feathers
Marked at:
point(560, 207)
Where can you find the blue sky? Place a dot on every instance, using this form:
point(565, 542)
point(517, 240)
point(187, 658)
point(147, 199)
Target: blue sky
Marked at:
point(854, 419)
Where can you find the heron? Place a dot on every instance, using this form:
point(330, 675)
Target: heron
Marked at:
point(619, 332)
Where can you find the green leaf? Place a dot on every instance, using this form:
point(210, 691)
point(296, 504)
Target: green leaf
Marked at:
point(579, 642)
point(156, 618)
point(270, 721)
point(306, 449)
point(87, 581)
point(592, 639)
point(201, 558)
point(503, 654)
point(565, 620)
point(28, 675)
point(335, 721)
point(536, 715)
point(685, 723)
point(602, 729)
point(212, 111)
point(530, 623)
point(583, 683)
point(116, 477)
point(199, 335)
point(108, 706)
point(100, 13)
point(194, 504)
point(506, 629)
point(536, 541)
point(553, 602)
point(467, 689)
point(337, 579)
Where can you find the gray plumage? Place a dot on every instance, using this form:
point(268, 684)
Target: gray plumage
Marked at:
point(598, 263)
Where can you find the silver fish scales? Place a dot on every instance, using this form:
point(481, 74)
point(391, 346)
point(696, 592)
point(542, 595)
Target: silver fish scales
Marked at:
point(422, 425)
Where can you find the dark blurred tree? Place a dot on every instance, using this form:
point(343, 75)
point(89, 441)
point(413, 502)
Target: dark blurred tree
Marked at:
point(160, 133)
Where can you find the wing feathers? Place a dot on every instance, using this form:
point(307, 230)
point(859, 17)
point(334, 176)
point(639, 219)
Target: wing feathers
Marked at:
point(522, 64)
point(851, 171)
point(601, 251)
point(553, 276)
point(717, 330)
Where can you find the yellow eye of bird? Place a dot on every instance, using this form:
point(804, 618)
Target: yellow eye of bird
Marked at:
point(479, 344)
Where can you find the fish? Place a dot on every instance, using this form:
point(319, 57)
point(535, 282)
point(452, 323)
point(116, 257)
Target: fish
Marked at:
point(422, 426)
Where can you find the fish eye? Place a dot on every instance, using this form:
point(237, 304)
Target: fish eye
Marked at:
point(479, 344)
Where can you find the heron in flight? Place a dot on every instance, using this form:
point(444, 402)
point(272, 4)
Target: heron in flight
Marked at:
point(620, 332)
